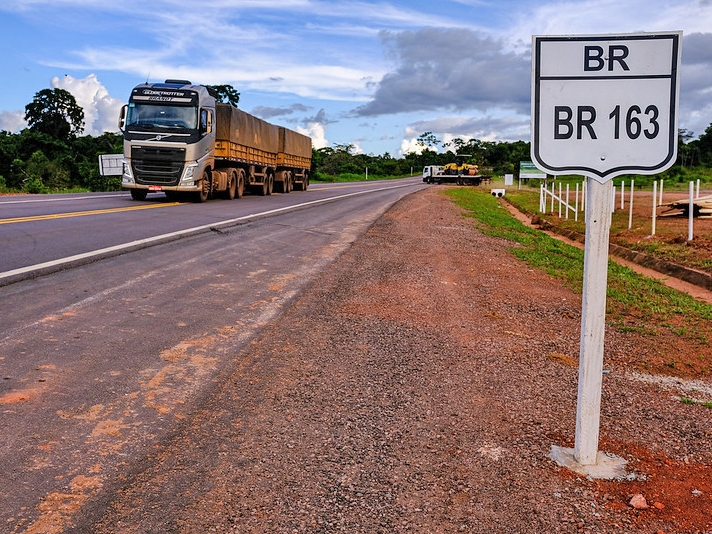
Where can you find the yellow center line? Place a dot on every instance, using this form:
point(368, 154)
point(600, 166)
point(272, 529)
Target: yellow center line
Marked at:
point(31, 218)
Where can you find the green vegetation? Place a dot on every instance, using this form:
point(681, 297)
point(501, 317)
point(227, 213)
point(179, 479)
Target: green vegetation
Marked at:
point(688, 400)
point(50, 156)
point(634, 302)
point(668, 246)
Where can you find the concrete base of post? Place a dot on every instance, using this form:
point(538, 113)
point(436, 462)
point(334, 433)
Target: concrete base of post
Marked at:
point(607, 466)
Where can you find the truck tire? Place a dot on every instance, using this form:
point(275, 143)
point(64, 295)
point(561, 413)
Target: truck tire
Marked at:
point(202, 195)
point(304, 183)
point(240, 190)
point(287, 183)
point(270, 184)
point(139, 194)
point(262, 188)
point(231, 185)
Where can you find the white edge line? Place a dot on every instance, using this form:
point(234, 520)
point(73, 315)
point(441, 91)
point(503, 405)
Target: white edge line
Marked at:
point(141, 243)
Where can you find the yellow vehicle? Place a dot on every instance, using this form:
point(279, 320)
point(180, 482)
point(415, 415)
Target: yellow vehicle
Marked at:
point(464, 173)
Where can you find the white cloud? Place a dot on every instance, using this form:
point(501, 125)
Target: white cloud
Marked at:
point(612, 17)
point(12, 121)
point(315, 130)
point(410, 146)
point(101, 111)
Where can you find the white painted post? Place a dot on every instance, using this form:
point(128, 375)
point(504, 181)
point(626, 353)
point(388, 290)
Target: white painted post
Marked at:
point(660, 202)
point(567, 201)
point(366, 173)
point(553, 196)
point(622, 195)
point(595, 280)
point(583, 196)
point(698, 188)
point(655, 204)
point(560, 199)
point(541, 198)
point(576, 206)
point(630, 213)
point(690, 232)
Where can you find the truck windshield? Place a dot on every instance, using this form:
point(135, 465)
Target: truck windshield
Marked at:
point(161, 116)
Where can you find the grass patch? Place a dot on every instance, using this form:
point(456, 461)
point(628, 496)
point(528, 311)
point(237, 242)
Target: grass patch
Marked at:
point(634, 303)
point(688, 400)
point(668, 245)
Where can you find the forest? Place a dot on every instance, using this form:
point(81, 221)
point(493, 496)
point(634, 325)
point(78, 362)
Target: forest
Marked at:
point(51, 155)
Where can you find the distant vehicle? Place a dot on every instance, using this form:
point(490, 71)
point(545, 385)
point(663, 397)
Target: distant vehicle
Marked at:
point(462, 173)
point(178, 139)
point(431, 173)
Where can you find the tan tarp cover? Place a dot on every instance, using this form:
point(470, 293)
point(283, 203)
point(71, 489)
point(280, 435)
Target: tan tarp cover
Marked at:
point(293, 143)
point(236, 126)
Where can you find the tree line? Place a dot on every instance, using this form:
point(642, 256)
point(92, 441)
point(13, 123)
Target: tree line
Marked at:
point(51, 155)
point(495, 158)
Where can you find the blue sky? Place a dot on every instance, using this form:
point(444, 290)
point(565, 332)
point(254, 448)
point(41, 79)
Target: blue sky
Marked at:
point(371, 74)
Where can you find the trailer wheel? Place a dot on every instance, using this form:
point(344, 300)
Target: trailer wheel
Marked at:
point(240, 189)
point(204, 193)
point(231, 186)
point(287, 183)
point(270, 183)
point(139, 194)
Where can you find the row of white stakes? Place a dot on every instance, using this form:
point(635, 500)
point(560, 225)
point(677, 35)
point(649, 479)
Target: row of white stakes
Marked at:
point(565, 205)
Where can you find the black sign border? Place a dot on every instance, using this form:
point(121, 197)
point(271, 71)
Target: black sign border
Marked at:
point(624, 169)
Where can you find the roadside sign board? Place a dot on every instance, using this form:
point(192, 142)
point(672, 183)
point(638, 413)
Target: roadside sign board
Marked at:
point(111, 164)
point(602, 106)
point(605, 105)
point(527, 169)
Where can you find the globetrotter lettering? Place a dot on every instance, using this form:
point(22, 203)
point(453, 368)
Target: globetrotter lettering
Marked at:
point(162, 93)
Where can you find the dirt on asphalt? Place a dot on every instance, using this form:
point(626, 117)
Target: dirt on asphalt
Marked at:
point(418, 386)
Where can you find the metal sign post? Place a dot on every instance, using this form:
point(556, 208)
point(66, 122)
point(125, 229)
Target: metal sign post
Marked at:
point(602, 106)
point(593, 313)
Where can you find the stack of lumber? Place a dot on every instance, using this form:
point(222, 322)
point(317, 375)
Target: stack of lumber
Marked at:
point(701, 207)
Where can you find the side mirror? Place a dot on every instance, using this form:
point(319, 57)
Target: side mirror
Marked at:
point(122, 117)
point(206, 121)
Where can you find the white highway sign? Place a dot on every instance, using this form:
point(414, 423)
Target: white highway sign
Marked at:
point(605, 105)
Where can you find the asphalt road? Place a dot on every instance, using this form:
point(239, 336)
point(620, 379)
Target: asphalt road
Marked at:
point(116, 321)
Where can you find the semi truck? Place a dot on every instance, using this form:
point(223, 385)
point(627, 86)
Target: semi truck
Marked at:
point(179, 139)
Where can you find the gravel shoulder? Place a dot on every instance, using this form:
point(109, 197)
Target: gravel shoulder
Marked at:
point(418, 386)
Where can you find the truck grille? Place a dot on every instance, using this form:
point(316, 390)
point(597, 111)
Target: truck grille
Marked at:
point(157, 166)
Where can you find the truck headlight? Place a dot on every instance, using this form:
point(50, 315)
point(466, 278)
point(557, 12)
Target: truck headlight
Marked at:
point(189, 173)
point(127, 176)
